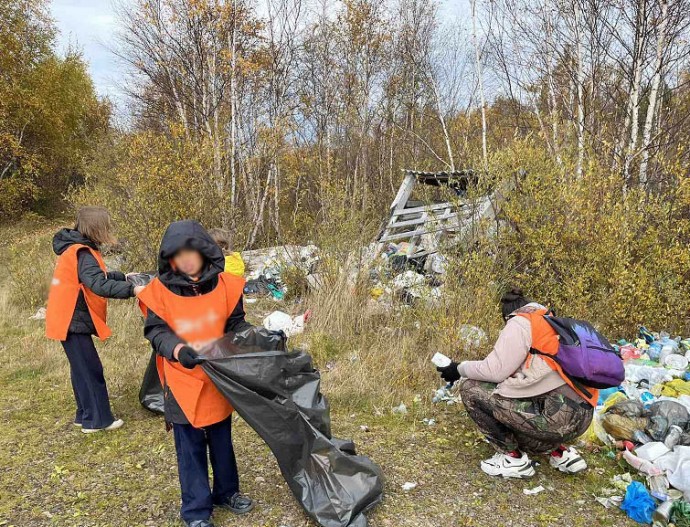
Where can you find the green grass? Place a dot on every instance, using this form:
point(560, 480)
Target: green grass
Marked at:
point(52, 475)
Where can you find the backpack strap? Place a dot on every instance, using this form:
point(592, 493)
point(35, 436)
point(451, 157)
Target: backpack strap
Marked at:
point(553, 363)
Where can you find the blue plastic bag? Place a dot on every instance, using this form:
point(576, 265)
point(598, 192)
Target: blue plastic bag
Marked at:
point(638, 504)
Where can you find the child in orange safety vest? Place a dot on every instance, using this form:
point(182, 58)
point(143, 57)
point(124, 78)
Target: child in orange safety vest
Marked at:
point(191, 303)
point(77, 308)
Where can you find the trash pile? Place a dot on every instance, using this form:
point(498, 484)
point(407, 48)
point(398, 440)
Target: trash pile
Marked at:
point(647, 419)
point(266, 266)
point(399, 276)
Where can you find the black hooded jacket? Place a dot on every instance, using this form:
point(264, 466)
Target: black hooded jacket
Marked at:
point(186, 234)
point(109, 285)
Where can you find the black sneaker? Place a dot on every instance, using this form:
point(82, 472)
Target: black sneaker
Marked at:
point(199, 523)
point(237, 503)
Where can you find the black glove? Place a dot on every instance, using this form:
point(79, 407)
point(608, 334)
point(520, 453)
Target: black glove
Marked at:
point(450, 373)
point(188, 357)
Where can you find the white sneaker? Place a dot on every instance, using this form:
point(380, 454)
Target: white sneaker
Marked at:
point(117, 423)
point(570, 462)
point(508, 466)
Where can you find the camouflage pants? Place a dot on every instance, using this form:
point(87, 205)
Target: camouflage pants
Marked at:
point(537, 425)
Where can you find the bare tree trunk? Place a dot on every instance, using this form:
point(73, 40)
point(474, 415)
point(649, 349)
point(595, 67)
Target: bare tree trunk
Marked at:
point(580, 91)
point(654, 93)
point(632, 116)
point(480, 82)
point(233, 106)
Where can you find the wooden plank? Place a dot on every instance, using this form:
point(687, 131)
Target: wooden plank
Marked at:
point(426, 208)
point(404, 192)
point(411, 234)
point(417, 221)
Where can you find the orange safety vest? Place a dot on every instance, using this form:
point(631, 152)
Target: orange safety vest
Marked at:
point(545, 341)
point(64, 292)
point(198, 320)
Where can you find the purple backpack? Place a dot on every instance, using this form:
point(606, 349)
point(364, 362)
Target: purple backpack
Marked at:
point(584, 355)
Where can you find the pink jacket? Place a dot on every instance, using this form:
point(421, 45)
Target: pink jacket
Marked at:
point(506, 365)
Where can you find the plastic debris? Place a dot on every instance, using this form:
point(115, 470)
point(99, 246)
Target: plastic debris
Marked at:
point(642, 465)
point(280, 321)
point(610, 502)
point(401, 409)
point(472, 337)
point(638, 504)
point(621, 427)
point(445, 395)
point(663, 415)
point(408, 486)
point(40, 314)
point(662, 514)
point(440, 360)
point(532, 492)
point(652, 451)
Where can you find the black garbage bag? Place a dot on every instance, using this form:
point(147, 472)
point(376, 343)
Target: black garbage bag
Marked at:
point(255, 338)
point(277, 394)
point(151, 391)
point(140, 278)
point(665, 414)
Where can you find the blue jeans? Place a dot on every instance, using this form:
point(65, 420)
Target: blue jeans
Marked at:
point(191, 445)
point(88, 383)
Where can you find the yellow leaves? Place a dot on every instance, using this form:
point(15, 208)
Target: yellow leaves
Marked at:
point(591, 252)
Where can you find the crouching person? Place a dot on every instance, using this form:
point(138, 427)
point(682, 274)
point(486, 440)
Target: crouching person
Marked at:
point(519, 402)
point(191, 303)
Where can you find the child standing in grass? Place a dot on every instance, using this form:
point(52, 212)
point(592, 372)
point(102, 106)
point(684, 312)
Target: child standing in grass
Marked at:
point(77, 307)
point(191, 303)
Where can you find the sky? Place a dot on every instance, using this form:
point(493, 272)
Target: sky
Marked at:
point(90, 25)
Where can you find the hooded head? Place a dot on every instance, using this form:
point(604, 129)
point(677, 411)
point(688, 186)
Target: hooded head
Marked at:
point(65, 238)
point(188, 234)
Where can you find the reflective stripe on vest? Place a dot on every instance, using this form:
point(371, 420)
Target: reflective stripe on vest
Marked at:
point(545, 341)
point(64, 292)
point(198, 320)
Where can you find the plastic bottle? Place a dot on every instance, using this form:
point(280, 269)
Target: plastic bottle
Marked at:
point(673, 436)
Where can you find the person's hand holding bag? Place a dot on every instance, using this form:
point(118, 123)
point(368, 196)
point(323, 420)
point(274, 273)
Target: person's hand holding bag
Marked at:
point(187, 356)
point(450, 373)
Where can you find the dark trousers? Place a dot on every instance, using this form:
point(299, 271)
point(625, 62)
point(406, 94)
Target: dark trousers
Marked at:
point(88, 383)
point(191, 445)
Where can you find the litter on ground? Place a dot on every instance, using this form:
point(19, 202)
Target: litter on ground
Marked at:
point(532, 492)
point(647, 419)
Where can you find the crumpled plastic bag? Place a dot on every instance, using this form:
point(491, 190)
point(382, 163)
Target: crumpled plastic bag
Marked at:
point(663, 415)
point(676, 388)
point(628, 408)
point(596, 434)
point(621, 427)
point(676, 464)
point(638, 504)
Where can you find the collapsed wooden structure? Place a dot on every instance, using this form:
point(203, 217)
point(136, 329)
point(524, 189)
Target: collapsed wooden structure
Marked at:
point(424, 226)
